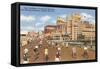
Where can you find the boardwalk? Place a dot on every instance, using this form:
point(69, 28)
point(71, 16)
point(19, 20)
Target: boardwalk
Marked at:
point(66, 53)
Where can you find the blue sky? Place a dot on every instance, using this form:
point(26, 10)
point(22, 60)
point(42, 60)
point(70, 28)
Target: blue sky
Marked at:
point(34, 18)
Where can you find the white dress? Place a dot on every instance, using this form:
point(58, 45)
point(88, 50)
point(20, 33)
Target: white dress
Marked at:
point(57, 59)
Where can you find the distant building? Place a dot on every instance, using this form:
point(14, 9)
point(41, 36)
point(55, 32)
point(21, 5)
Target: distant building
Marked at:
point(50, 29)
point(73, 27)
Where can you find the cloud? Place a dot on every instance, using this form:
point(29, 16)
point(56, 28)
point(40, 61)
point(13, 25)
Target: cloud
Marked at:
point(38, 24)
point(88, 17)
point(45, 18)
point(54, 21)
point(27, 28)
point(63, 15)
point(39, 28)
point(27, 18)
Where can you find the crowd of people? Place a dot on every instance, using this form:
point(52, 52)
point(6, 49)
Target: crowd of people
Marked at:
point(58, 52)
point(57, 55)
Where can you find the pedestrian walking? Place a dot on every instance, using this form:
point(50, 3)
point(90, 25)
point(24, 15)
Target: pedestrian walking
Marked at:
point(57, 57)
point(85, 53)
point(74, 52)
point(36, 53)
point(36, 48)
point(59, 49)
point(40, 43)
point(46, 54)
point(25, 57)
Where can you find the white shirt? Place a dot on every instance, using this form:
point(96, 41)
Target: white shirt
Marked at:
point(36, 46)
point(57, 59)
point(59, 48)
point(85, 48)
point(46, 51)
point(74, 50)
point(25, 50)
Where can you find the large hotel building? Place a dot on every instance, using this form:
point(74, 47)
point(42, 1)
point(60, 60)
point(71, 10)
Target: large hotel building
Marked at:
point(71, 28)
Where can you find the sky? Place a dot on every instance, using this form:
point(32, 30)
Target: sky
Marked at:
point(34, 18)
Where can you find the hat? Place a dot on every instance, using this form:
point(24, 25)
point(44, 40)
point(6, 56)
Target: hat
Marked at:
point(25, 50)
